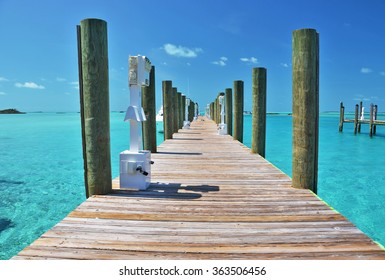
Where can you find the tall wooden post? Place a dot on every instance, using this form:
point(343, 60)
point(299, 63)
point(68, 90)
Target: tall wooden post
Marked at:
point(95, 109)
point(149, 107)
point(238, 111)
point(229, 110)
point(183, 108)
point(375, 118)
point(305, 108)
point(175, 110)
point(356, 119)
point(167, 109)
point(215, 104)
point(180, 110)
point(342, 117)
point(371, 120)
point(258, 142)
point(212, 110)
point(359, 124)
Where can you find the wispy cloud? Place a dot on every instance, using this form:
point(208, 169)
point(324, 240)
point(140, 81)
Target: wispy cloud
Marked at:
point(75, 85)
point(2, 93)
point(285, 65)
point(366, 70)
point(180, 51)
point(382, 73)
point(60, 79)
point(251, 60)
point(29, 85)
point(221, 62)
point(3, 79)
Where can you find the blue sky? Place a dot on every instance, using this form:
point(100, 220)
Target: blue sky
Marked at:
point(201, 45)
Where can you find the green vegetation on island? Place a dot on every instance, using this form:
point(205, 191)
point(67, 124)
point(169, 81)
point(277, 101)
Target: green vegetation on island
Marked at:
point(11, 111)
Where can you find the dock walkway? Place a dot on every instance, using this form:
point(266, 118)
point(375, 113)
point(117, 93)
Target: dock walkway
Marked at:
point(210, 198)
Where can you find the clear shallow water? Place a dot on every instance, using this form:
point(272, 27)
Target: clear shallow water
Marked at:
point(41, 171)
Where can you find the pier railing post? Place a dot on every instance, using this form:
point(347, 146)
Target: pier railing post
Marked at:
point(94, 87)
point(342, 117)
point(258, 142)
point(305, 108)
point(238, 111)
point(212, 111)
point(149, 107)
point(167, 109)
point(229, 110)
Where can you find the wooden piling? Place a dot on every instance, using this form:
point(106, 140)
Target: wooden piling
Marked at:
point(238, 111)
point(149, 107)
point(359, 115)
point(180, 111)
point(305, 108)
point(342, 117)
point(229, 110)
point(258, 142)
point(356, 119)
point(375, 118)
point(215, 119)
point(94, 85)
point(212, 110)
point(175, 110)
point(183, 109)
point(371, 120)
point(167, 109)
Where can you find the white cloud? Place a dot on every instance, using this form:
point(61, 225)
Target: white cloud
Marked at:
point(29, 85)
point(75, 85)
point(59, 79)
point(2, 93)
point(221, 62)
point(285, 65)
point(180, 51)
point(251, 60)
point(2, 79)
point(366, 70)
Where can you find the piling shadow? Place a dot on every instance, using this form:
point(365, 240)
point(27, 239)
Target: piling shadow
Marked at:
point(10, 182)
point(177, 153)
point(194, 139)
point(5, 224)
point(169, 191)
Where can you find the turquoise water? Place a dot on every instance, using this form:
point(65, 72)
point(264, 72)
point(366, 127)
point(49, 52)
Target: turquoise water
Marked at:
point(41, 174)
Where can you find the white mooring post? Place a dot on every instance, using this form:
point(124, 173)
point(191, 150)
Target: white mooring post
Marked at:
point(222, 127)
point(186, 123)
point(135, 164)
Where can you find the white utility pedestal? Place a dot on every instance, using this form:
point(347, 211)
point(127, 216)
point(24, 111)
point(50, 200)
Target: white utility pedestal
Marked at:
point(186, 123)
point(222, 127)
point(135, 164)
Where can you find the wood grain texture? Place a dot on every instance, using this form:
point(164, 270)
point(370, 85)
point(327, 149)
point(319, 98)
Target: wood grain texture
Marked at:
point(95, 86)
point(210, 198)
point(258, 135)
point(305, 56)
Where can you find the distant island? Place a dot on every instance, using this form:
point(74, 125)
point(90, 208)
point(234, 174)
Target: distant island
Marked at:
point(11, 111)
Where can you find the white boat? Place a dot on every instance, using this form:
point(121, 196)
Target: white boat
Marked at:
point(159, 120)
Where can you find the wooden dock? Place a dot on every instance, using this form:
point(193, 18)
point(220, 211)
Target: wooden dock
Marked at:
point(210, 198)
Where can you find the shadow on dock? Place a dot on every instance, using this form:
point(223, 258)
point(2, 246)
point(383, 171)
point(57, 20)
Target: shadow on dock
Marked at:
point(178, 153)
point(169, 191)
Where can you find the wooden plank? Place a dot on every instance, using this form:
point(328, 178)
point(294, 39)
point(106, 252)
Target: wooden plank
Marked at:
point(210, 198)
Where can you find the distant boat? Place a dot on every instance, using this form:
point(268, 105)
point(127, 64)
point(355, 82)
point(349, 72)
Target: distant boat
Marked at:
point(159, 120)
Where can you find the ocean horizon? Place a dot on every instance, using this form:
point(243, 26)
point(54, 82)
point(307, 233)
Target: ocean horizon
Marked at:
point(42, 179)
